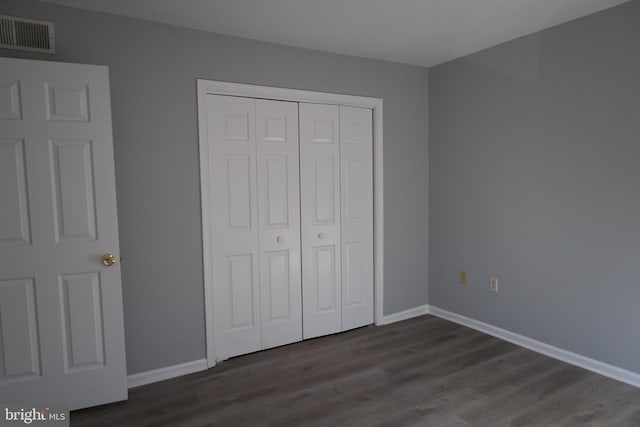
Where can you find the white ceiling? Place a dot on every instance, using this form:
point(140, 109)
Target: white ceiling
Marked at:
point(420, 32)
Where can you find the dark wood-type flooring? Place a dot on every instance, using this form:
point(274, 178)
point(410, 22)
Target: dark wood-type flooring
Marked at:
point(421, 372)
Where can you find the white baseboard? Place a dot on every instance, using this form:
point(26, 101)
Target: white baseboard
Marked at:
point(406, 314)
point(142, 378)
point(614, 372)
point(593, 365)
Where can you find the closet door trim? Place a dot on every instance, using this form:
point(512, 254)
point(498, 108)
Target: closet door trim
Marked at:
point(210, 87)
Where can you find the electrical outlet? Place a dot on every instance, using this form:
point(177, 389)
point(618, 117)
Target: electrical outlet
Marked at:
point(463, 277)
point(493, 284)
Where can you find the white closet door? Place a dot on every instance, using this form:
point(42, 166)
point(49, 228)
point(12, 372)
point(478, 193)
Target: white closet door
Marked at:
point(279, 222)
point(320, 185)
point(234, 210)
point(356, 185)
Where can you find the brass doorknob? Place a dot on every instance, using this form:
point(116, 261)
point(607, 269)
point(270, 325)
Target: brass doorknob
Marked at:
point(108, 260)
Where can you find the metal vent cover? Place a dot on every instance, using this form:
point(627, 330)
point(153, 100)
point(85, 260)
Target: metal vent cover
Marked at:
point(26, 34)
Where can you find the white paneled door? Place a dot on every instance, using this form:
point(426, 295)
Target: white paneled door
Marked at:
point(320, 194)
point(61, 326)
point(356, 184)
point(234, 229)
point(253, 147)
point(279, 222)
point(288, 220)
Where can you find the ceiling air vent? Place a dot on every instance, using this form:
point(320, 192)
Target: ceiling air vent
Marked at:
point(26, 34)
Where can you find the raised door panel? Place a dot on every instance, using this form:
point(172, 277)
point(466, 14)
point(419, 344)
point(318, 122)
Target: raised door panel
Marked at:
point(356, 157)
point(279, 221)
point(236, 126)
point(277, 284)
point(10, 108)
point(324, 191)
point(234, 230)
point(324, 279)
point(277, 127)
point(67, 102)
point(238, 192)
point(19, 346)
point(277, 191)
point(354, 278)
point(353, 187)
point(82, 306)
point(324, 130)
point(320, 213)
point(14, 208)
point(74, 199)
point(241, 285)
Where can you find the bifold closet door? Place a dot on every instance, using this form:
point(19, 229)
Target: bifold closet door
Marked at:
point(253, 146)
point(320, 212)
point(292, 221)
point(234, 225)
point(279, 222)
point(356, 193)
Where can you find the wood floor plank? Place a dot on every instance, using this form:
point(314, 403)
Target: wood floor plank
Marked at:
point(601, 404)
point(503, 406)
point(628, 417)
point(436, 410)
point(580, 403)
point(421, 372)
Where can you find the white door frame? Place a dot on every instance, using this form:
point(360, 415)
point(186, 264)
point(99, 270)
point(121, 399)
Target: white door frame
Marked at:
point(210, 87)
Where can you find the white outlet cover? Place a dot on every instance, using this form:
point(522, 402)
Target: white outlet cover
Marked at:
point(493, 284)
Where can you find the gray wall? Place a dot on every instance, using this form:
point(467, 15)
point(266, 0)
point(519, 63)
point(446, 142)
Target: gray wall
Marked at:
point(535, 179)
point(153, 68)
